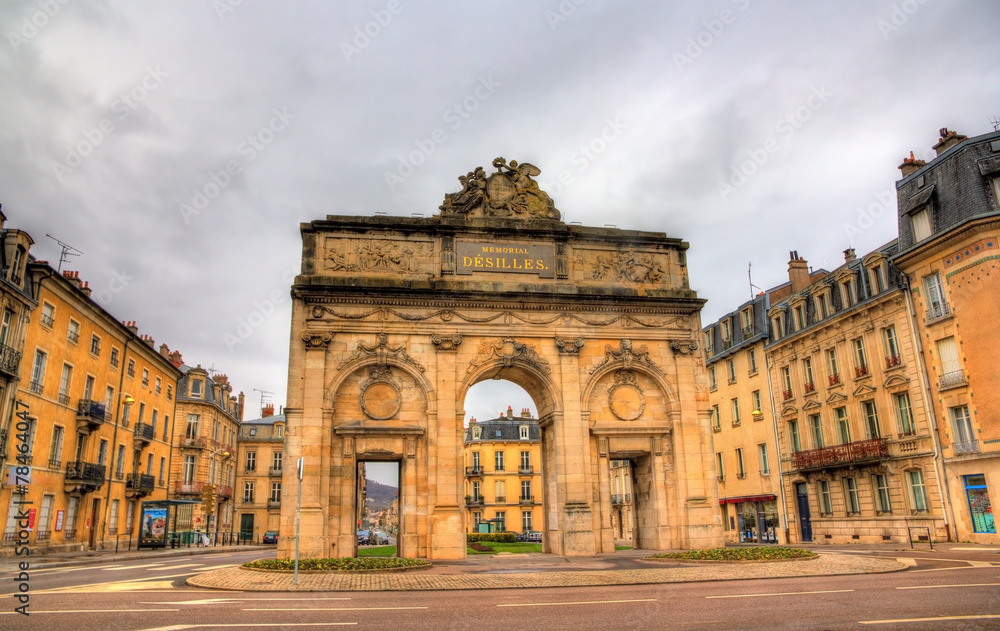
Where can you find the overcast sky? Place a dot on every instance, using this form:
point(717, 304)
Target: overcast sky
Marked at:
point(118, 121)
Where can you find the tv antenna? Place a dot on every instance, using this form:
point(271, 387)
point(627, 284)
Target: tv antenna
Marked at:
point(995, 121)
point(750, 278)
point(265, 397)
point(67, 251)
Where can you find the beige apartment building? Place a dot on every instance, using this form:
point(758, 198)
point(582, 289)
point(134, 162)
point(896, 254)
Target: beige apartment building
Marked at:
point(949, 227)
point(260, 463)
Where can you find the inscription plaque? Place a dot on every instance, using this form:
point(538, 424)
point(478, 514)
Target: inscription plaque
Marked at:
point(517, 258)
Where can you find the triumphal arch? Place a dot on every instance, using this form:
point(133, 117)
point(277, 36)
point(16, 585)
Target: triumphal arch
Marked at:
point(395, 318)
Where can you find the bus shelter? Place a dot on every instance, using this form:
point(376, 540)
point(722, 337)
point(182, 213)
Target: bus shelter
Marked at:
point(158, 527)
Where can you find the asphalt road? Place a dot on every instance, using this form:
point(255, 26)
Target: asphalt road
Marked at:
point(942, 590)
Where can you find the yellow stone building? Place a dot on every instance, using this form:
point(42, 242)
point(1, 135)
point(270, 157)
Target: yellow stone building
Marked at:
point(204, 439)
point(503, 473)
point(949, 226)
point(97, 401)
point(260, 463)
point(623, 522)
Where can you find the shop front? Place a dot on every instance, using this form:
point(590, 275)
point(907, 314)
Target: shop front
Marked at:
point(755, 518)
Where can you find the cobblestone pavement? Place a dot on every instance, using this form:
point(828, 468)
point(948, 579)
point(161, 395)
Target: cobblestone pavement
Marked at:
point(484, 577)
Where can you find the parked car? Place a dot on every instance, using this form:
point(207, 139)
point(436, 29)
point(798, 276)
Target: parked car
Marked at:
point(363, 537)
point(271, 536)
point(521, 536)
point(534, 536)
point(378, 539)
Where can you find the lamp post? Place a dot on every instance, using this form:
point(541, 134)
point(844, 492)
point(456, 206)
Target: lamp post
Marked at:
point(122, 402)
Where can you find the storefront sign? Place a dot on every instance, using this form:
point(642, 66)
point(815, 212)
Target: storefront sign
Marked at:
point(517, 258)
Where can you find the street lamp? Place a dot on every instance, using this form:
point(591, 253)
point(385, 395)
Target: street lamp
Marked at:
point(125, 401)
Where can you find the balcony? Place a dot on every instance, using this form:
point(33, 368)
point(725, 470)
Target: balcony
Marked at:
point(526, 500)
point(861, 371)
point(36, 387)
point(10, 359)
point(938, 312)
point(968, 447)
point(891, 361)
point(143, 433)
point(786, 395)
point(809, 388)
point(617, 499)
point(474, 501)
point(274, 472)
point(952, 379)
point(223, 491)
point(727, 344)
point(90, 415)
point(500, 499)
point(194, 442)
point(526, 470)
point(747, 332)
point(188, 488)
point(834, 380)
point(736, 422)
point(83, 477)
point(48, 320)
point(139, 485)
point(842, 455)
point(55, 463)
point(274, 503)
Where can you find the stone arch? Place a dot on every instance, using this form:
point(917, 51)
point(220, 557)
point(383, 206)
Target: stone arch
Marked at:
point(348, 369)
point(535, 382)
point(599, 375)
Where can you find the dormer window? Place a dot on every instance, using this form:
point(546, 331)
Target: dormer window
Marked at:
point(920, 223)
point(847, 292)
point(477, 433)
point(778, 324)
point(15, 266)
point(746, 322)
point(279, 430)
point(727, 334)
point(708, 342)
point(196, 387)
point(877, 269)
point(523, 432)
point(800, 317)
point(821, 303)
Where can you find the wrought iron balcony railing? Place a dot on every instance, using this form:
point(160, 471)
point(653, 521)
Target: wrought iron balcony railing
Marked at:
point(474, 501)
point(143, 432)
point(224, 491)
point(617, 500)
point(967, 447)
point(10, 359)
point(188, 488)
point(526, 499)
point(274, 471)
point(86, 472)
point(140, 483)
point(842, 455)
point(861, 371)
point(91, 412)
point(937, 312)
point(891, 361)
point(529, 470)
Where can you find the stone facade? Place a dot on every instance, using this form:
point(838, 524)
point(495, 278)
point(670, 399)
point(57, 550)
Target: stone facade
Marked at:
point(394, 319)
point(949, 226)
point(261, 465)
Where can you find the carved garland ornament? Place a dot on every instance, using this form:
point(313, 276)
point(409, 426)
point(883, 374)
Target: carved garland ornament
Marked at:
point(507, 350)
point(381, 352)
point(627, 357)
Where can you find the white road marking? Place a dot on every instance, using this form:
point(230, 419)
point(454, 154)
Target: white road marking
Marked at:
point(580, 602)
point(951, 569)
point(960, 585)
point(211, 601)
point(941, 619)
point(338, 609)
point(243, 625)
point(983, 549)
point(11, 613)
point(828, 591)
point(130, 567)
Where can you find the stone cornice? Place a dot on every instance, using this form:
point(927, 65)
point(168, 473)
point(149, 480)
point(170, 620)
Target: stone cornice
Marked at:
point(947, 240)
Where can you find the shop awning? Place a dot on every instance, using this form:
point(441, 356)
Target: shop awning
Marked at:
point(747, 498)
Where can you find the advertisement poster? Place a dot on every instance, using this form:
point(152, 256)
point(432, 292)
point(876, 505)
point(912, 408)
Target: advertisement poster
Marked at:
point(154, 526)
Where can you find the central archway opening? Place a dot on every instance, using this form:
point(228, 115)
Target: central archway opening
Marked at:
point(502, 454)
point(377, 502)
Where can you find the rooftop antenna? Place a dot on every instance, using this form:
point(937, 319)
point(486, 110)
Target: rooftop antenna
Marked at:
point(995, 121)
point(67, 251)
point(750, 278)
point(265, 397)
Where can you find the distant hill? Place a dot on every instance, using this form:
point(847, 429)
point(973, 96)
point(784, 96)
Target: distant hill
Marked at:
point(380, 496)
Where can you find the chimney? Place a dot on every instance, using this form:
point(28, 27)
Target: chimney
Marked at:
point(132, 327)
point(148, 339)
point(510, 412)
point(525, 413)
point(164, 350)
point(798, 272)
point(73, 277)
point(86, 289)
point(267, 411)
point(849, 255)
point(222, 379)
point(948, 140)
point(910, 165)
point(239, 407)
point(176, 359)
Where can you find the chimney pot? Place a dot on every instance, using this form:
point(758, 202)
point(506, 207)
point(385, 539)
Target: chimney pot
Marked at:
point(798, 272)
point(849, 255)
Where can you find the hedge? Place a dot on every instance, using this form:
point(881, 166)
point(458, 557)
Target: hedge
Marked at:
point(498, 537)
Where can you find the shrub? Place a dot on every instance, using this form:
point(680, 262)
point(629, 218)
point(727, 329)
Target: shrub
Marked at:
point(497, 537)
point(738, 554)
point(337, 564)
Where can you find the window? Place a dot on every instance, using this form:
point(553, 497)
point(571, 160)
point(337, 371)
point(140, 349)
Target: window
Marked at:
point(904, 414)
point(145, 377)
point(727, 334)
point(196, 387)
point(48, 315)
point(884, 505)
point(192, 427)
point(126, 413)
point(500, 491)
point(166, 426)
point(5, 325)
point(109, 398)
point(746, 322)
point(979, 503)
point(38, 371)
point(964, 439)
point(523, 432)
point(892, 357)
point(280, 430)
point(736, 412)
point(113, 519)
point(189, 468)
point(131, 368)
point(213, 469)
point(526, 490)
point(807, 374)
point(709, 347)
point(731, 367)
point(712, 383)
point(142, 412)
point(860, 361)
point(71, 508)
point(720, 471)
point(55, 447)
point(64, 383)
point(95, 345)
point(525, 461)
point(786, 382)
point(120, 462)
point(920, 223)
point(475, 461)
point(73, 332)
point(755, 398)
point(752, 360)
point(765, 466)
point(847, 292)
point(248, 492)
point(157, 388)
point(740, 470)
point(88, 387)
point(937, 307)
point(825, 501)
point(716, 425)
point(251, 462)
point(843, 427)
point(152, 421)
point(831, 366)
point(871, 420)
point(476, 519)
point(778, 326)
point(951, 367)
point(501, 520)
point(793, 435)
point(877, 277)
point(149, 464)
point(129, 516)
point(851, 493)
point(102, 452)
point(800, 317)
point(822, 304)
point(526, 521)
point(918, 493)
point(476, 492)
point(43, 519)
point(498, 460)
point(816, 425)
point(114, 357)
point(275, 491)
point(276, 460)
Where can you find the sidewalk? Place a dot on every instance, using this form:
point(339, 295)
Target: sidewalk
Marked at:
point(540, 570)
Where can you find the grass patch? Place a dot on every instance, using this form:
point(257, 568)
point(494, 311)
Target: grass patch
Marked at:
point(337, 564)
point(738, 554)
point(623, 548)
point(379, 551)
point(516, 548)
